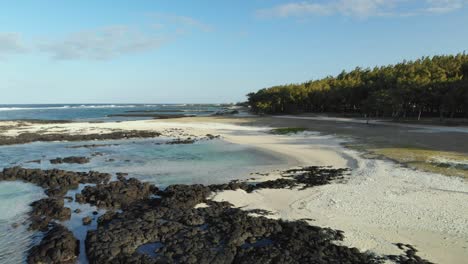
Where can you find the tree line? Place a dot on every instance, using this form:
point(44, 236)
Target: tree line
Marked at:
point(429, 86)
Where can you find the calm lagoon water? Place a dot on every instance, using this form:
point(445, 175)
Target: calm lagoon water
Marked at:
point(204, 162)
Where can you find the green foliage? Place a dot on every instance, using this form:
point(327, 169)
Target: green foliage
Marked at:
point(433, 86)
point(287, 130)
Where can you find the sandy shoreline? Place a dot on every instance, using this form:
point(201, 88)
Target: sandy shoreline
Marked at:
point(381, 203)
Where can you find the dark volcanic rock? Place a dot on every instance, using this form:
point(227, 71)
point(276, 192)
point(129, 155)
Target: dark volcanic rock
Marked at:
point(154, 116)
point(72, 159)
point(210, 136)
point(184, 196)
point(156, 111)
point(189, 140)
point(93, 146)
point(121, 174)
point(216, 234)
point(178, 141)
point(116, 194)
point(168, 223)
point(34, 161)
point(46, 210)
point(58, 246)
point(303, 177)
point(181, 141)
point(56, 182)
point(409, 257)
point(226, 112)
point(32, 137)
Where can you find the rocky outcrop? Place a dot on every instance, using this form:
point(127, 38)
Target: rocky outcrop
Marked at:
point(170, 229)
point(46, 210)
point(117, 194)
point(55, 182)
point(210, 136)
point(92, 146)
point(188, 140)
point(302, 178)
point(176, 232)
point(226, 112)
point(72, 159)
point(152, 115)
point(215, 234)
point(58, 246)
point(33, 137)
point(409, 256)
point(181, 141)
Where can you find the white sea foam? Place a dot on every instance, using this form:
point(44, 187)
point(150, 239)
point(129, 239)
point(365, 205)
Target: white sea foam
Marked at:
point(66, 107)
point(15, 198)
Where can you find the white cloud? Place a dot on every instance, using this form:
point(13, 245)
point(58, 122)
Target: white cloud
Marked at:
point(444, 6)
point(362, 8)
point(11, 43)
point(296, 9)
point(102, 44)
point(181, 21)
point(111, 42)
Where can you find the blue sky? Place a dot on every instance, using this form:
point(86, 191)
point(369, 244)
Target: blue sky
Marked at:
point(207, 51)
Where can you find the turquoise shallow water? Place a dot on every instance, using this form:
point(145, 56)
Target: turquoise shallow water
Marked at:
point(204, 162)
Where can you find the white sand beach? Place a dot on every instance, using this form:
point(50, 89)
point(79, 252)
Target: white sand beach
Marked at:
point(379, 204)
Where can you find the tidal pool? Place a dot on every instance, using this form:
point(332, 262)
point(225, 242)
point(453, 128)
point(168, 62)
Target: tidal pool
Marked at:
point(150, 160)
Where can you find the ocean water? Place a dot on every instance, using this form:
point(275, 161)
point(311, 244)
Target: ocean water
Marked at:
point(15, 198)
point(101, 112)
point(205, 162)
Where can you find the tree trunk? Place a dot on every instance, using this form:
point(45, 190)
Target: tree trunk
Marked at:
point(419, 114)
point(441, 114)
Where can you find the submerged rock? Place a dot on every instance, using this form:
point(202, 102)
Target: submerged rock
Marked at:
point(93, 145)
point(178, 141)
point(226, 112)
point(181, 141)
point(34, 161)
point(72, 159)
point(33, 137)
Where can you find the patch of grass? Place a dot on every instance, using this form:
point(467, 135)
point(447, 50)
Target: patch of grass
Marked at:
point(287, 130)
point(443, 162)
